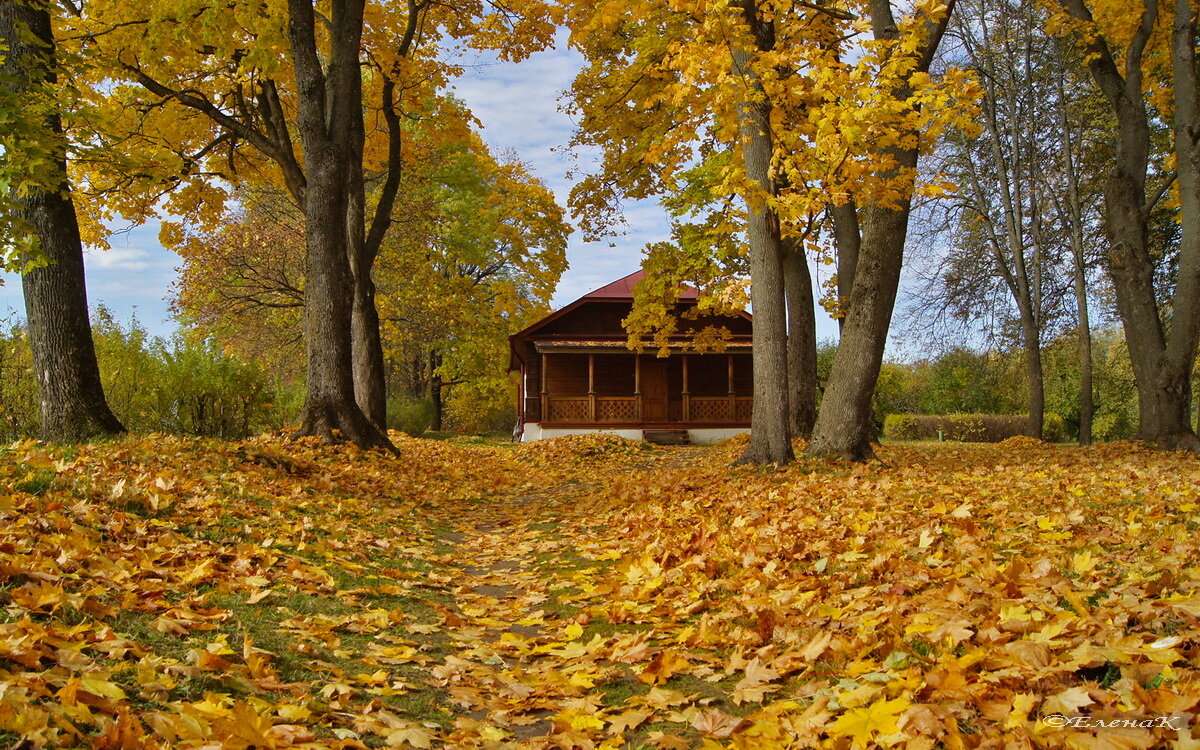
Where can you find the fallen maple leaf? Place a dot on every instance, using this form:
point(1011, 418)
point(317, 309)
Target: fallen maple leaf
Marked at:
point(865, 724)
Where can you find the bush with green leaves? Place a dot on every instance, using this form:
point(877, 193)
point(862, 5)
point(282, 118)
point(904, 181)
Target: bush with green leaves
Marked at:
point(18, 388)
point(412, 416)
point(183, 385)
point(967, 428)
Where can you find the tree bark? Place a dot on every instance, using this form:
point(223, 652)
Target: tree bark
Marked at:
point(435, 391)
point(1162, 363)
point(801, 341)
point(327, 106)
point(844, 423)
point(1074, 216)
point(1034, 378)
point(847, 239)
point(366, 343)
point(71, 396)
point(770, 442)
point(370, 385)
point(844, 426)
point(1185, 328)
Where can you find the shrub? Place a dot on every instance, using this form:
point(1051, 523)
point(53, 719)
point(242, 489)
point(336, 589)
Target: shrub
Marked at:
point(968, 428)
point(182, 385)
point(481, 418)
point(19, 408)
point(412, 416)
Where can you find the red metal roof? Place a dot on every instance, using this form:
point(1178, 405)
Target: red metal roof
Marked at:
point(623, 289)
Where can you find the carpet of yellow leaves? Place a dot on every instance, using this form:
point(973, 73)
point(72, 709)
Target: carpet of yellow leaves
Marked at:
point(595, 593)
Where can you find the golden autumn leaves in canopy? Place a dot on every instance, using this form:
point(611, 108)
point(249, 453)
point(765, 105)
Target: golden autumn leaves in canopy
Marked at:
point(592, 592)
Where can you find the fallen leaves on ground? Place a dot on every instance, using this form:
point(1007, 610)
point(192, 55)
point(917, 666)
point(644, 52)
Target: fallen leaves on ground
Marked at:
point(589, 592)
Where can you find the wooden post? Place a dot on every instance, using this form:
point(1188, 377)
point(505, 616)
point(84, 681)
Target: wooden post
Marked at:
point(687, 398)
point(592, 386)
point(732, 395)
point(545, 400)
point(637, 384)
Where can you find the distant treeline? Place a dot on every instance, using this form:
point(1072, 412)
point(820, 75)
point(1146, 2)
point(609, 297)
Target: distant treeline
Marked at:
point(963, 381)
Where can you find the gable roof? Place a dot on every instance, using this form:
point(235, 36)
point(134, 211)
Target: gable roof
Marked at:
point(619, 290)
point(623, 289)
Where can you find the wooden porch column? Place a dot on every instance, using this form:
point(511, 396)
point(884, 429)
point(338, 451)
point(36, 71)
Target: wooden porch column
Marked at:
point(687, 397)
point(637, 384)
point(732, 395)
point(592, 386)
point(545, 401)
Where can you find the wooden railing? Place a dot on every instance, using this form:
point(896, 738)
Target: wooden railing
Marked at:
point(608, 409)
point(617, 409)
point(627, 409)
point(717, 408)
point(567, 408)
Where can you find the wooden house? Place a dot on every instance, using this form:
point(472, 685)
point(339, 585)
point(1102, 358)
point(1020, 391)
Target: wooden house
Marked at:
point(576, 375)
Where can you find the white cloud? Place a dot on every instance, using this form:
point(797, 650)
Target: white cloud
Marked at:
point(132, 278)
point(117, 258)
point(519, 105)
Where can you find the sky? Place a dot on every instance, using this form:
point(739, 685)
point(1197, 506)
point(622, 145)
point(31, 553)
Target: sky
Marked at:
point(519, 106)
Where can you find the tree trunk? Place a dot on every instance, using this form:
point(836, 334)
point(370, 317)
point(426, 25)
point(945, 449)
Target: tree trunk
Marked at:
point(1074, 216)
point(801, 341)
point(370, 385)
point(436, 385)
point(844, 424)
point(1163, 381)
point(847, 239)
point(1087, 403)
point(1161, 365)
point(366, 345)
point(73, 407)
point(326, 109)
point(329, 403)
point(1034, 378)
point(769, 438)
point(1176, 431)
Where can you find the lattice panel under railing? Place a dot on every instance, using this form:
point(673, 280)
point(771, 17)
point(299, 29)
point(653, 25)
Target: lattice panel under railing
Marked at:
point(616, 410)
point(742, 409)
point(569, 410)
point(710, 410)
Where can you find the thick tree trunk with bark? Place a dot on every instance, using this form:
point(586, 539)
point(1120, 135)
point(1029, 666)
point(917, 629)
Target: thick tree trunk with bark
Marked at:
point(370, 385)
point(330, 404)
point(770, 441)
point(1162, 362)
point(844, 425)
point(73, 407)
point(1164, 392)
point(801, 341)
point(366, 344)
point(327, 104)
point(1185, 329)
point(1034, 378)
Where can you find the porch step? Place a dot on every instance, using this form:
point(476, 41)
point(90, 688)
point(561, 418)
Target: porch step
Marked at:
point(666, 437)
